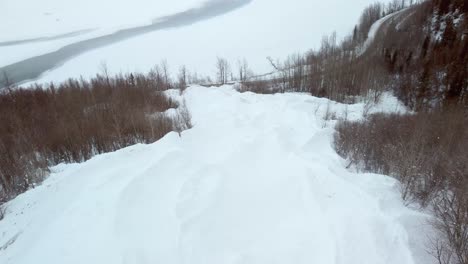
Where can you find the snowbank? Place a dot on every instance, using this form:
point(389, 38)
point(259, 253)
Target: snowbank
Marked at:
point(255, 181)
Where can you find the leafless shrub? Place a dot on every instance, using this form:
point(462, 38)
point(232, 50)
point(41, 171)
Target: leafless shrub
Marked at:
point(441, 251)
point(451, 210)
point(182, 78)
point(427, 153)
point(2, 212)
point(260, 87)
point(183, 119)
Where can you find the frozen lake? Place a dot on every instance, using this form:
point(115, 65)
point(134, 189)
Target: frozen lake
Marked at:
point(190, 33)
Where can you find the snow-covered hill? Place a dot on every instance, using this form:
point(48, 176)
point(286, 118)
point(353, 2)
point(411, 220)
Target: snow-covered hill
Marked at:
point(255, 181)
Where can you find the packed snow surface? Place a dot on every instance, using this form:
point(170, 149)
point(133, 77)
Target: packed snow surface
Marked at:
point(255, 181)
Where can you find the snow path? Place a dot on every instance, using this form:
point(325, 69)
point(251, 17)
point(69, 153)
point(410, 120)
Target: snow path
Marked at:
point(255, 181)
point(375, 28)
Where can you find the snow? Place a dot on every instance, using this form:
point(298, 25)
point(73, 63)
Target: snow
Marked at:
point(256, 31)
point(255, 181)
point(375, 28)
point(24, 19)
point(54, 18)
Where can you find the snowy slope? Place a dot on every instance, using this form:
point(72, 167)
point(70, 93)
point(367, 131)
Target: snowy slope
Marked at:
point(255, 181)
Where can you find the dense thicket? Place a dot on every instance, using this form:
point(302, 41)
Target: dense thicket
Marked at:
point(71, 122)
point(422, 55)
point(427, 152)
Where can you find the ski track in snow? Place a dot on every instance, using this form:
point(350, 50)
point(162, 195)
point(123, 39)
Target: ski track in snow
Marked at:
point(255, 181)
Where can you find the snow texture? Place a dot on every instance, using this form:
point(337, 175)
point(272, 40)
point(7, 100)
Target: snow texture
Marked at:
point(255, 181)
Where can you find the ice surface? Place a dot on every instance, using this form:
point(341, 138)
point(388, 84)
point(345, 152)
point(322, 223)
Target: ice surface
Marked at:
point(263, 28)
point(24, 19)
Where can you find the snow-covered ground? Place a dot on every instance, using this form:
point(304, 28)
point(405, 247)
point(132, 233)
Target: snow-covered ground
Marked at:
point(25, 19)
point(255, 181)
point(260, 29)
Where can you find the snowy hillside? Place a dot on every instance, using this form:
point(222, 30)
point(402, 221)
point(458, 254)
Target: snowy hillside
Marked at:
point(255, 181)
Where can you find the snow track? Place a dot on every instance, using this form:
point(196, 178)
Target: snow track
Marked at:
point(376, 27)
point(255, 181)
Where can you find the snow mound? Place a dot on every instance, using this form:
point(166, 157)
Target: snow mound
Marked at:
point(255, 181)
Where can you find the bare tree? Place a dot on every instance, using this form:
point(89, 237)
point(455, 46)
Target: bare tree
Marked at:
point(156, 77)
point(223, 70)
point(165, 72)
point(6, 83)
point(182, 78)
point(243, 68)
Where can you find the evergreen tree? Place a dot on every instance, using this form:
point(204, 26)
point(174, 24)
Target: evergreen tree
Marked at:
point(450, 34)
point(423, 93)
point(425, 47)
point(444, 6)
